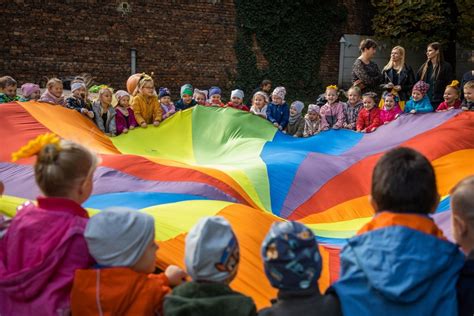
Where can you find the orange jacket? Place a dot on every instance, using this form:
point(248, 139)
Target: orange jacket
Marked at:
point(117, 291)
point(146, 109)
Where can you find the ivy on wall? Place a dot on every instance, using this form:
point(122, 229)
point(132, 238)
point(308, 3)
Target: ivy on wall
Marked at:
point(292, 36)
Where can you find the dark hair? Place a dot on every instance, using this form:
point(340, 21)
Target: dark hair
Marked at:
point(439, 59)
point(404, 181)
point(7, 81)
point(367, 44)
point(265, 82)
point(372, 95)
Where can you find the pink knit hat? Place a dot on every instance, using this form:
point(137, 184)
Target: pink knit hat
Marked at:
point(28, 89)
point(421, 86)
point(280, 92)
point(120, 94)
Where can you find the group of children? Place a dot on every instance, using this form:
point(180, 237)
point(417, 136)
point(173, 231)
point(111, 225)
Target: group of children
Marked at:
point(55, 260)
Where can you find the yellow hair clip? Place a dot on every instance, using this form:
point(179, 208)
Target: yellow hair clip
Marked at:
point(34, 146)
point(332, 87)
point(454, 84)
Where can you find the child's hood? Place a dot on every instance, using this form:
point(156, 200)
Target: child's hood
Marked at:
point(403, 264)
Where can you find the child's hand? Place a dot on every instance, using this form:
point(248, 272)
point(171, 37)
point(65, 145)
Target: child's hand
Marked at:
point(132, 126)
point(295, 135)
point(413, 111)
point(175, 275)
point(363, 131)
point(125, 131)
point(335, 127)
point(156, 123)
point(84, 111)
point(396, 116)
point(275, 124)
point(90, 114)
point(280, 128)
point(143, 125)
point(385, 123)
point(465, 108)
point(398, 87)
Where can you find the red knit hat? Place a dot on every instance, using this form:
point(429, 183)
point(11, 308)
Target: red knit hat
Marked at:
point(421, 86)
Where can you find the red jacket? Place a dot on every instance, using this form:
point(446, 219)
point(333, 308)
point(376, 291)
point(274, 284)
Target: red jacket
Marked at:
point(368, 120)
point(242, 107)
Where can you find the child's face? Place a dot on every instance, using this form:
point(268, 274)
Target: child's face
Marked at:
point(35, 95)
point(469, 94)
point(148, 89)
point(417, 95)
point(125, 101)
point(165, 100)
point(79, 93)
point(389, 103)
point(353, 97)
point(200, 98)
point(146, 263)
point(450, 95)
point(186, 98)
point(106, 97)
point(277, 100)
point(293, 111)
point(56, 90)
point(10, 91)
point(216, 99)
point(258, 101)
point(369, 103)
point(267, 87)
point(236, 100)
point(331, 96)
point(313, 116)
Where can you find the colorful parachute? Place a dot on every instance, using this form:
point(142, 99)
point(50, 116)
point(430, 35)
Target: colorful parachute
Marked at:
point(221, 161)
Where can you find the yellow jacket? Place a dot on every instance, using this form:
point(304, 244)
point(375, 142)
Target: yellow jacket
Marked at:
point(147, 109)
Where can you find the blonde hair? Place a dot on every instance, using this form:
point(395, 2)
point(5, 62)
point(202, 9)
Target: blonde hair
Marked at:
point(462, 199)
point(52, 82)
point(455, 86)
point(141, 83)
point(59, 169)
point(356, 89)
point(439, 59)
point(389, 65)
point(102, 91)
point(263, 95)
point(469, 85)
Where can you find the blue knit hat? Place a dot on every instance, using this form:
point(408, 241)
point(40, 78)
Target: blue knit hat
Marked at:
point(164, 92)
point(214, 91)
point(291, 257)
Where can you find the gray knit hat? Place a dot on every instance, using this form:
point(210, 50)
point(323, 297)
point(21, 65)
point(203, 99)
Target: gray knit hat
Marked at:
point(118, 238)
point(212, 250)
point(298, 106)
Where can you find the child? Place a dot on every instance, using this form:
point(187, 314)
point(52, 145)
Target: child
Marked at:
point(332, 113)
point(278, 111)
point(200, 96)
point(45, 243)
point(122, 243)
point(54, 92)
point(468, 103)
point(352, 107)
point(451, 97)
point(165, 102)
point(419, 101)
point(186, 100)
point(104, 112)
point(212, 258)
point(215, 97)
point(462, 219)
point(77, 101)
point(237, 99)
point(369, 117)
point(124, 116)
point(30, 91)
point(295, 125)
point(259, 104)
point(391, 110)
point(400, 263)
point(312, 121)
point(8, 87)
point(293, 265)
point(145, 103)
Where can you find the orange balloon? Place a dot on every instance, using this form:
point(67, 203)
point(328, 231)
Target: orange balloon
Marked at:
point(132, 82)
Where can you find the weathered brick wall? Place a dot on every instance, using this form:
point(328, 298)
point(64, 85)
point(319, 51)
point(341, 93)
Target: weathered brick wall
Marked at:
point(179, 40)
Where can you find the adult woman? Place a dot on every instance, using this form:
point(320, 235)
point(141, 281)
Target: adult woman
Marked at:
point(365, 73)
point(436, 72)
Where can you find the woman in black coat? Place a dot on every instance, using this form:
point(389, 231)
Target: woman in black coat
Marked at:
point(397, 75)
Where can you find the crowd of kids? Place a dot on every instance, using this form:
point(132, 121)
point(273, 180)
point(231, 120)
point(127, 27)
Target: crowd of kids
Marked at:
point(56, 260)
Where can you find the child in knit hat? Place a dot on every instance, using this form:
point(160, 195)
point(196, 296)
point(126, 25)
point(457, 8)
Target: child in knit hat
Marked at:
point(215, 97)
point(419, 101)
point(30, 91)
point(293, 265)
point(124, 116)
point(278, 111)
point(295, 125)
point(165, 102)
point(186, 100)
point(123, 244)
point(77, 101)
point(312, 121)
point(332, 113)
point(259, 104)
point(212, 258)
point(200, 96)
point(236, 100)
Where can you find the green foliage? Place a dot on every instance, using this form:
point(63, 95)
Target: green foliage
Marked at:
point(464, 22)
point(292, 36)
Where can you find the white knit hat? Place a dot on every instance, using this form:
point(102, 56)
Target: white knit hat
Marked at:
point(237, 93)
point(280, 92)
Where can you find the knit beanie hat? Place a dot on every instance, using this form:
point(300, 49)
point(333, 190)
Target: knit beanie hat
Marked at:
point(28, 89)
point(164, 92)
point(77, 85)
point(313, 108)
point(263, 94)
point(237, 93)
point(298, 105)
point(197, 91)
point(214, 91)
point(186, 89)
point(212, 251)
point(421, 86)
point(291, 257)
point(120, 94)
point(118, 238)
point(279, 92)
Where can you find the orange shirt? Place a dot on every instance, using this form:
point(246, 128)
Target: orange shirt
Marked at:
point(146, 109)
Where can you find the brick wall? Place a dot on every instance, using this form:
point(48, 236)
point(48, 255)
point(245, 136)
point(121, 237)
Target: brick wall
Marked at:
point(179, 40)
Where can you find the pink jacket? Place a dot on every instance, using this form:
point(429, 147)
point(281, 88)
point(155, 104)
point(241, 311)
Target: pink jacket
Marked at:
point(39, 254)
point(332, 116)
point(390, 115)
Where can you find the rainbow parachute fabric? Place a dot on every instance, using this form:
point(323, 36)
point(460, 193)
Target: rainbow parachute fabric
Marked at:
point(221, 161)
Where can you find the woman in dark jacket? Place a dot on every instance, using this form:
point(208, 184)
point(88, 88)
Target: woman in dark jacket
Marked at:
point(397, 75)
point(365, 73)
point(436, 72)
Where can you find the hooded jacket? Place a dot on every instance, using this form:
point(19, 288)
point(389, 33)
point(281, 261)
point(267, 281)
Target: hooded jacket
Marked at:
point(399, 264)
point(465, 287)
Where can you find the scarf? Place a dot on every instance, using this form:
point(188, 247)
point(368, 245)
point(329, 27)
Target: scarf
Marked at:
point(294, 118)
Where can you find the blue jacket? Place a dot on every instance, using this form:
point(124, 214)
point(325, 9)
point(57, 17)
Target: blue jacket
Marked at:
point(179, 105)
point(422, 106)
point(278, 114)
point(396, 270)
point(466, 288)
